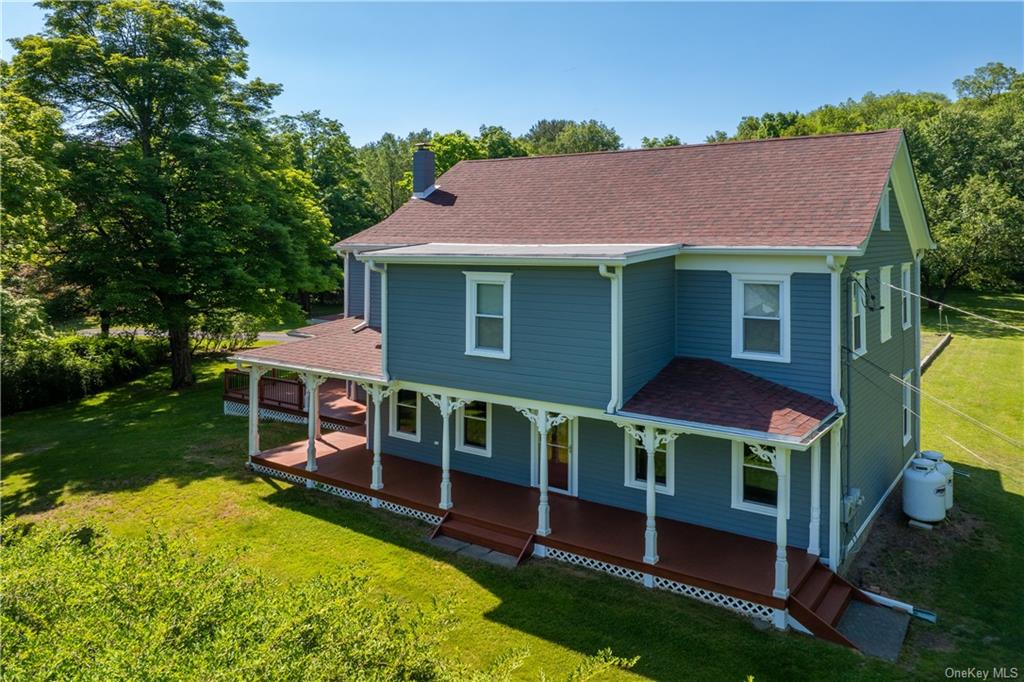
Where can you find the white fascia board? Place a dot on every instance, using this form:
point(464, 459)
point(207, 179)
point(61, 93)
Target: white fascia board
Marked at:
point(332, 373)
point(701, 429)
point(775, 250)
point(638, 256)
point(908, 198)
point(762, 264)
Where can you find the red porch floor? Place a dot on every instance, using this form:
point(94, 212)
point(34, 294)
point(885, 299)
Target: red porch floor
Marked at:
point(698, 556)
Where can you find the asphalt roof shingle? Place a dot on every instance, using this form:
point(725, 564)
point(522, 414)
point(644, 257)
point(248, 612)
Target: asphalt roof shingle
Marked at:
point(817, 191)
point(334, 347)
point(709, 392)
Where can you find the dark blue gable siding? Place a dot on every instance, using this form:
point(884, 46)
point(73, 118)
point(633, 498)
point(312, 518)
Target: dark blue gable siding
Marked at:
point(375, 299)
point(355, 286)
point(560, 333)
point(704, 328)
point(648, 322)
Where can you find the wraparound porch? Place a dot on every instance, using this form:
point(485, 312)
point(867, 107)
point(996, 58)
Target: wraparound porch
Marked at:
point(723, 568)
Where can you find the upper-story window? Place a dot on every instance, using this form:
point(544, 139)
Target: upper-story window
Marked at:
point(760, 317)
point(883, 210)
point(908, 408)
point(885, 292)
point(404, 421)
point(488, 303)
point(905, 300)
point(858, 313)
point(473, 430)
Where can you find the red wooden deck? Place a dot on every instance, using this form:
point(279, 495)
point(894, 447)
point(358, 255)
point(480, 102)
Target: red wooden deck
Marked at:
point(334, 403)
point(702, 557)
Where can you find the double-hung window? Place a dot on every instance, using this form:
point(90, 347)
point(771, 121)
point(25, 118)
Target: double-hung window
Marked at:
point(885, 292)
point(473, 428)
point(755, 485)
point(488, 303)
point(636, 466)
point(858, 313)
point(883, 211)
point(760, 317)
point(908, 403)
point(905, 301)
point(404, 417)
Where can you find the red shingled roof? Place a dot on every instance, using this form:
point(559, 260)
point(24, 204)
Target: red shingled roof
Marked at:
point(709, 392)
point(335, 348)
point(800, 192)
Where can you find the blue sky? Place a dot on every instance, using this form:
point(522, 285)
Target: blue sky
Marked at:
point(646, 69)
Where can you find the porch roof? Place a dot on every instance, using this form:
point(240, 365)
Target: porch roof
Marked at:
point(334, 348)
point(698, 390)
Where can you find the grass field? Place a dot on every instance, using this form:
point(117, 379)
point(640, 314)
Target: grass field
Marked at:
point(141, 457)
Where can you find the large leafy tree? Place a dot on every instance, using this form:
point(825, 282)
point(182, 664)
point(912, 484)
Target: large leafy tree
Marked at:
point(387, 162)
point(321, 147)
point(186, 206)
point(586, 136)
point(498, 143)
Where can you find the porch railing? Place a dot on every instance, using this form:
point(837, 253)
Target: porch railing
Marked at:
point(275, 391)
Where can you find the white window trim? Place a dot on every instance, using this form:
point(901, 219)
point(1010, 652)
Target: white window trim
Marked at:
point(883, 209)
point(738, 281)
point(393, 431)
point(629, 472)
point(737, 487)
point(574, 448)
point(907, 414)
point(905, 284)
point(460, 433)
point(858, 290)
point(885, 292)
point(504, 279)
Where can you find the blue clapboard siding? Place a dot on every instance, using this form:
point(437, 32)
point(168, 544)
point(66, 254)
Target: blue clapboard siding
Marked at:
point(704, 328)
point(874, 428)
point(510, 451)
point(560, 339)
point(703, 485)
point(355, 286)
point(375, 299)
point(648, 322)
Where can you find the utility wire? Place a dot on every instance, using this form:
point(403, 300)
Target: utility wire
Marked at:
point(959, 310)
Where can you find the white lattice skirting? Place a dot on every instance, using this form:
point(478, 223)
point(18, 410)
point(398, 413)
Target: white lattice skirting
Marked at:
point(741, 606)
point(347, 494)
point(234, 409)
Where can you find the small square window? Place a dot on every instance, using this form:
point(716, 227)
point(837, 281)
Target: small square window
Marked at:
point(761, 317)
point(883, 211)
point(473, 429)
point(488, 299)
point(404, 415)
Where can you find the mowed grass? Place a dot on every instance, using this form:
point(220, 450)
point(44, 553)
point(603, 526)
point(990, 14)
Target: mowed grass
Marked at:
point(143, 458)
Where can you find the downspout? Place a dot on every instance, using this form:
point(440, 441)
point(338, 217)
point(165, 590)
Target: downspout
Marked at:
point(615, 278)
point(836, 440)
point(383, 270)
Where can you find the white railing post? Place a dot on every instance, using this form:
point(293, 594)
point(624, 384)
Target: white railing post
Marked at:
point(651, 439)
point(254, 410)
point(814, 531)
point(446, 404)
point(835, 446)
point(781, 465)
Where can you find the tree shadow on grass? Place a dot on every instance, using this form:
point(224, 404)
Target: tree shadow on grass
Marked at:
point(1005, 308)
point(126, 438)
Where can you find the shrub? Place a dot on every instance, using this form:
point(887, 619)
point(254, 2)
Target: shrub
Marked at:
point(87, 605)
point(44, 370)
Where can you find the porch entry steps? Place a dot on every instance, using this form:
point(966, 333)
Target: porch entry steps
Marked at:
point(820, 602)
point(493, 536)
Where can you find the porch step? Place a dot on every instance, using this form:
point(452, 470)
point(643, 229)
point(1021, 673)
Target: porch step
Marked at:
point(834, 602)
point(815, 586)
point(505, 540)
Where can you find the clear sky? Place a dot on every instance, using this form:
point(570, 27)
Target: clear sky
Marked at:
point(646, 69)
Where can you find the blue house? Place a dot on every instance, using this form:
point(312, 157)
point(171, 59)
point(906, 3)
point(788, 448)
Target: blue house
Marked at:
point(693, 367)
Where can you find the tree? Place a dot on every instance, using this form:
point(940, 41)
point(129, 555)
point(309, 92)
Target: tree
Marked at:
point(320, 147)
point(185, 204)
point(667, 141)
point(498, 143)
point(717, 136)
point(450, 148)
point(986, 81)
point(540, 139)
point(387, 162)
point(587, 136)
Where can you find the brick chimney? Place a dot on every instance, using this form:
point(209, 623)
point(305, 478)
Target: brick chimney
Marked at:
point(422, 171)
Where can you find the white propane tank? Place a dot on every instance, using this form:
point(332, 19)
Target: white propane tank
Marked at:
point(944, 468)
point(924, 491)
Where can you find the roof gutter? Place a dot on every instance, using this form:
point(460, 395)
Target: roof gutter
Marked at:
point(615, 278)
point(294, 367)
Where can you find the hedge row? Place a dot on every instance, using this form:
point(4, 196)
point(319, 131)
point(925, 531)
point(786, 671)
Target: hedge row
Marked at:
point(48, 370)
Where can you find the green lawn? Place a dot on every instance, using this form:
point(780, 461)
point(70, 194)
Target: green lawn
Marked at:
point(140, 457)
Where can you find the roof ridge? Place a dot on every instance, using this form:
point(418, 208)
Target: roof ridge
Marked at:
point(683, 146)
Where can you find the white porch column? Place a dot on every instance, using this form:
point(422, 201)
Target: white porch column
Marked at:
point(254, 409)
point(312, 382)
point(543, 421)
point(814, 543)
point(376, 393)
point(781, 463)
point(446, 404)
point(835, 481)
point(651, 439)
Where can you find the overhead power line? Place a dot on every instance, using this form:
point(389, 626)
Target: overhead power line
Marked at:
point(959, 310)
